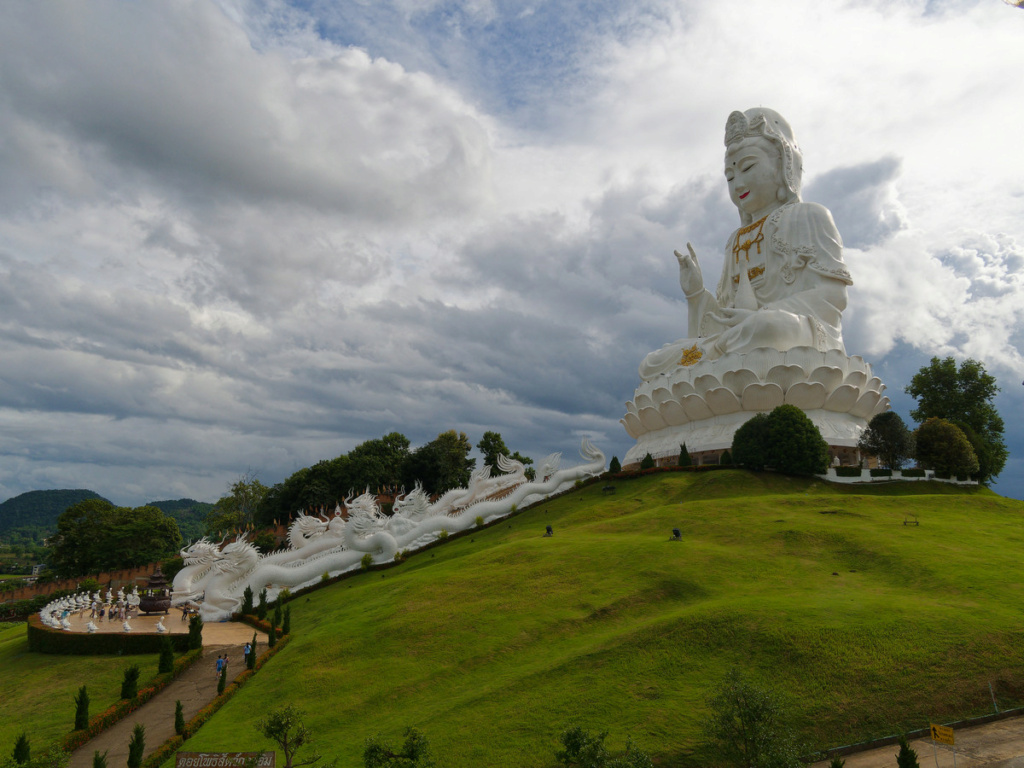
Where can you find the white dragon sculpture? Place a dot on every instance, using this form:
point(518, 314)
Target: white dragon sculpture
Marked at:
point(216, 576)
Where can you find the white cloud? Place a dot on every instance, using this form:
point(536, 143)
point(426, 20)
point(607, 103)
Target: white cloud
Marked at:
point(228, 242)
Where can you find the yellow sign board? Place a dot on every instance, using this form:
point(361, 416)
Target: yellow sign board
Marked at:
point(942, 733)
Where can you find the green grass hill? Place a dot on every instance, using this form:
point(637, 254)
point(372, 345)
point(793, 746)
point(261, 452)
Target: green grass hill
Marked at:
point(494, 643)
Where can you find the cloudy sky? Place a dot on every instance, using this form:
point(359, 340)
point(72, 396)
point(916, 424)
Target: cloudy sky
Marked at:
point(245, 236)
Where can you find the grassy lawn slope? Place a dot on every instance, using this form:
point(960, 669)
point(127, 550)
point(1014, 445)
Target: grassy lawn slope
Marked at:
point(494, 643)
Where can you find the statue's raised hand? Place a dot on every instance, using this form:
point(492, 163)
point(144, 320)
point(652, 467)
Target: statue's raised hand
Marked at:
point(690, 278)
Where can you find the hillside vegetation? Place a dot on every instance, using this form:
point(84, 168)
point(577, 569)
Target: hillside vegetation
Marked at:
point(494, 643)
point(37, 511)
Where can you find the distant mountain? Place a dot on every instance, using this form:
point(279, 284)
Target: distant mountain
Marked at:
point(36, 512)
point(39, 510)
point(190, 514)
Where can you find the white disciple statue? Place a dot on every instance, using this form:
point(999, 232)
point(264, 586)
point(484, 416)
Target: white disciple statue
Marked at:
point(771, 333)
point(783, 284)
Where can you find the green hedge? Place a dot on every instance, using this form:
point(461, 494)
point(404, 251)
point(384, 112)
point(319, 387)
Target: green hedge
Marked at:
point(44, 639)
point(848, 471)
point(913, 473)
point(879, 472)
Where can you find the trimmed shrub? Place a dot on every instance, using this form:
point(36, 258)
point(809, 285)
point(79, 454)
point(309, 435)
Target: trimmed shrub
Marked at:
point(98, 760)
point(179, 718)
point(247, 600)
point(750, 443)
point(879, 472)
point(137, 746)
point(614, 466)
point(785, 440)
point(913, 473)
point(261, 609)
point(222, 681)
point(684, 457)
point(130, 682)
point(82, 709)
point(367, 560)
point(286, 627)
point(166, 656)
point(848, 471)
point(195, 633)
point(277, 615)
point(725, 459)
point(647, 462)
point(272, 637)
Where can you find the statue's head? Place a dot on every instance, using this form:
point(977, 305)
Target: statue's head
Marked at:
point(767, 133)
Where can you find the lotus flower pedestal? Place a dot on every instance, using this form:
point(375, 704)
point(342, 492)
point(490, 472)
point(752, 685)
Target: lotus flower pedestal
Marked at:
point(702, 405)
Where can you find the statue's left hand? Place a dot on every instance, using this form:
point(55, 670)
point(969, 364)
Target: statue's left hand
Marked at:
point(731, 317)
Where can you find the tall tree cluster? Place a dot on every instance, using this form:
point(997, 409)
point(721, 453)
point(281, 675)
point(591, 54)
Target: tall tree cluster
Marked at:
point(963, 395)
point(387, 462)
point(94, 536)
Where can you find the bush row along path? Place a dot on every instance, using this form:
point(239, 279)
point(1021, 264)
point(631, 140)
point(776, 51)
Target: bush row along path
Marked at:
point(196, 688)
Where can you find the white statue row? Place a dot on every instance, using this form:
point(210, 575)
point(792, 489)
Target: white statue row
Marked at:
point(216, 576)
point(57, 613)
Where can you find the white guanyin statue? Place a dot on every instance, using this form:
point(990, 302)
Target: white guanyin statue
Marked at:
point(772, 331)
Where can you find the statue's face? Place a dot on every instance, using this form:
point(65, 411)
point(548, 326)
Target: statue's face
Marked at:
point(752, 170)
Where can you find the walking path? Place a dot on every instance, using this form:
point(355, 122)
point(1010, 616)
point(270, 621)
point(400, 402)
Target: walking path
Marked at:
point(196, 687)
point(993, 745)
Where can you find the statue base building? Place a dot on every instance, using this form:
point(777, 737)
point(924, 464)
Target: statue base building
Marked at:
point(701, 405)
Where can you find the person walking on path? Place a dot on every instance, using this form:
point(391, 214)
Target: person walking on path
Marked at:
point(220, 665)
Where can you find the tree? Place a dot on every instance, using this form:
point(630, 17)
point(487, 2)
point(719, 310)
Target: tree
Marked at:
point(745, 725)
point(286, 626)
point(907, 756)
point(240, 508)
point(137, 746)
point(582, 749)
point(684, 457)
point(796, 444)
point(963, 396)
point(942, 446)
point(82, 709)
point(261, 608)
point(222, 680)
point(179, 718)
point(195, 633)
point(285, 727)
point(725, 458)
point(415, 752)
point(94, 535)
point(22, 750)
point(250, 660)
point(378, 463)
point(247, 601)
point(130, 682)
point(166, 663)
point(491, 445)
point(888, 438)
point(614, 466)
point(750, 443)
point(784, 439)
point(647, 462)
point(441, 464)
point(99, 760)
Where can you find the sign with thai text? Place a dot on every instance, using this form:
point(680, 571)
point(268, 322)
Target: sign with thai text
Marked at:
point(224, 759)
point(942, 733)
